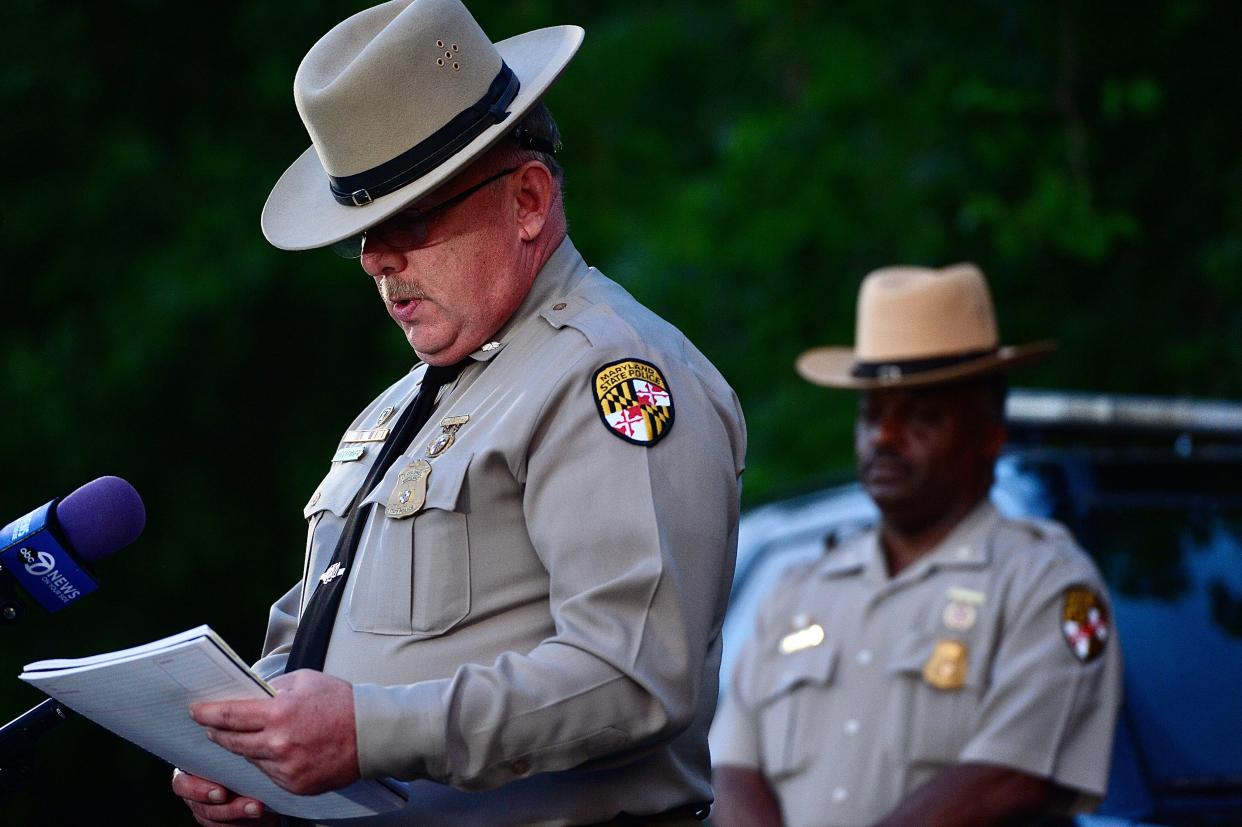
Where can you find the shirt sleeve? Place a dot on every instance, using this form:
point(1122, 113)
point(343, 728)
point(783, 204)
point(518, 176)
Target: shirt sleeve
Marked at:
point(734, 738)
point(1048, 711)
point(282, 623)
point(638, 542)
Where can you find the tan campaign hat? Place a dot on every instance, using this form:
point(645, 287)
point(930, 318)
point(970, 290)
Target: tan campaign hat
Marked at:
point(397, 99)
point(919, 326)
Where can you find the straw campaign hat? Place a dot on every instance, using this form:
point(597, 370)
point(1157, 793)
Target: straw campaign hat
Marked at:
point(397, 99)
point(919, 326)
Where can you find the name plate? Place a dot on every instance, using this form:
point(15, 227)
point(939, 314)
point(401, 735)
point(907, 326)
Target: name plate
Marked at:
point(372, 435)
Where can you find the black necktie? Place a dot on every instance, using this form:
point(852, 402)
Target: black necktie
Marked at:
point(310, 642)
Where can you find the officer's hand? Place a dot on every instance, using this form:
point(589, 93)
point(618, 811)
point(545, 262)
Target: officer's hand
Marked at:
point(303, 739)
point(212, 804)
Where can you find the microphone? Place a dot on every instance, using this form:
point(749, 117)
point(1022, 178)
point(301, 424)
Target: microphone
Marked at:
point(49, 550)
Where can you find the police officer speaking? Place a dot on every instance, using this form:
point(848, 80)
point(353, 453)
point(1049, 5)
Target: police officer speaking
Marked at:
point(519, 558)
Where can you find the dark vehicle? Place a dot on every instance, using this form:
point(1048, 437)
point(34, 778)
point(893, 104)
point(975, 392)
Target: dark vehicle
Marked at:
point(1152, 488)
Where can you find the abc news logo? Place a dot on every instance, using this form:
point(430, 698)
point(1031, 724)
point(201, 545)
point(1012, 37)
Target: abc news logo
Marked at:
point(43, 565)
point(37, 563)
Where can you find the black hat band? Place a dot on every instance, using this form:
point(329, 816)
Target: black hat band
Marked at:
point(390, 176)
point(893, 371)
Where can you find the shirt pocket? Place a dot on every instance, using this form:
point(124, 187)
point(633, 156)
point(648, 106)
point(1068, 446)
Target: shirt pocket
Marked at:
point(412, 575)
point(792, 695)
point(932, 724)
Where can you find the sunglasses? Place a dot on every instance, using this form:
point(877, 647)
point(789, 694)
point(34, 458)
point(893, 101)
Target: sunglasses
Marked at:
point(407, 229)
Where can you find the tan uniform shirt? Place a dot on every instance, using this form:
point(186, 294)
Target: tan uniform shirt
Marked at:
point(543, 634)
point(857, 688)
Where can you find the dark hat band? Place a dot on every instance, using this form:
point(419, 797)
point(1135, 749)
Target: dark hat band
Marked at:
point(893, 371)
point(390, 176)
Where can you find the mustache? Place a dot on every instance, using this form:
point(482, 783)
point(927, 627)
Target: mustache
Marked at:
point(392, 292)
point(865, 462)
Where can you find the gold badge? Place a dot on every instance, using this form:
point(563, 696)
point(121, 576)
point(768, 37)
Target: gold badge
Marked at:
point(946, 668)
point(1084, 623)
point(634, 401)
point(349, 453)
point(448, 433)
point(385, 415)
point(410, 491)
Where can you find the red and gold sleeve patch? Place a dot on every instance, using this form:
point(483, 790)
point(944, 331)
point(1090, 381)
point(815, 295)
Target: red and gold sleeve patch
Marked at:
point(1085, 623)
point(634, 401)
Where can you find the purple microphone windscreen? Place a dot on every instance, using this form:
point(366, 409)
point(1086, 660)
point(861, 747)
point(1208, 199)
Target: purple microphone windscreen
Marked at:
point(101, 518)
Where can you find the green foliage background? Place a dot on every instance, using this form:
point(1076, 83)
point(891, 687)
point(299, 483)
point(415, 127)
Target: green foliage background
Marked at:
point(738, 164)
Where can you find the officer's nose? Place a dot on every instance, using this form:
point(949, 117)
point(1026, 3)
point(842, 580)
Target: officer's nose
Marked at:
point(886, 431)
point(379, 260)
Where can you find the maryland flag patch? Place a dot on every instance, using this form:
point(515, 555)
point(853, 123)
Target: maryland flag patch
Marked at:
point(634, 401)
point(1084, 623)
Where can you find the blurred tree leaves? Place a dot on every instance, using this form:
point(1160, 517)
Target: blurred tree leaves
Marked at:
point(738, 165)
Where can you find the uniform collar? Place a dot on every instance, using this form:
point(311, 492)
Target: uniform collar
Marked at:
point(967, 545)
point(549, 294)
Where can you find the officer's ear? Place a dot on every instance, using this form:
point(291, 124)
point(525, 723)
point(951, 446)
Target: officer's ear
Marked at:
point(534, 198)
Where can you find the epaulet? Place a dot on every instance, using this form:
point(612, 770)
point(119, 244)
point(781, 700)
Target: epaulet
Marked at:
point(571, 311)
point(845, 533)
point(1042, 529)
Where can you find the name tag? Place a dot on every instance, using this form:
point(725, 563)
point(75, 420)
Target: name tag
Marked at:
point(807, 638)
point(349, 453)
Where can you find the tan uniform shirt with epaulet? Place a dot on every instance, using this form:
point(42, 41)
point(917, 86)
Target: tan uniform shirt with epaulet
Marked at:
point(538, 642)
point(857, 688)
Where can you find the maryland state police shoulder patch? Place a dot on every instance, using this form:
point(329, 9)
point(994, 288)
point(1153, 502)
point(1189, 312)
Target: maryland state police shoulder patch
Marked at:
point(1084, 623)
point(634, 401)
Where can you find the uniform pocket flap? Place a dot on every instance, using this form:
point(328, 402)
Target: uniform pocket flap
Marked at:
point(911, 653)
point(812, 665)
point(336, 491)
point(448, 478)
point(444, 483)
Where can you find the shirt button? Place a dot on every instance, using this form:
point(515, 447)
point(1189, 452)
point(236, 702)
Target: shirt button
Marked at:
point(863, 657)
point(839, 795)
point(559, 306)
point(519, 767)
point(851, 727)
point(963, 552)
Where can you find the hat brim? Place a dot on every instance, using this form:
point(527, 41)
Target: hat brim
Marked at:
point(833, 367)
point(301, 214)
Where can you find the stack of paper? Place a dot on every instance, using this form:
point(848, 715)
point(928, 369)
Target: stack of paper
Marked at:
point(143, 694)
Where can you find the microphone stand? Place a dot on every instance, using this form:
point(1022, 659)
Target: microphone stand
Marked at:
point(19, 735)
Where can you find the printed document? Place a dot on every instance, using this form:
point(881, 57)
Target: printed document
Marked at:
point(143, 694)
